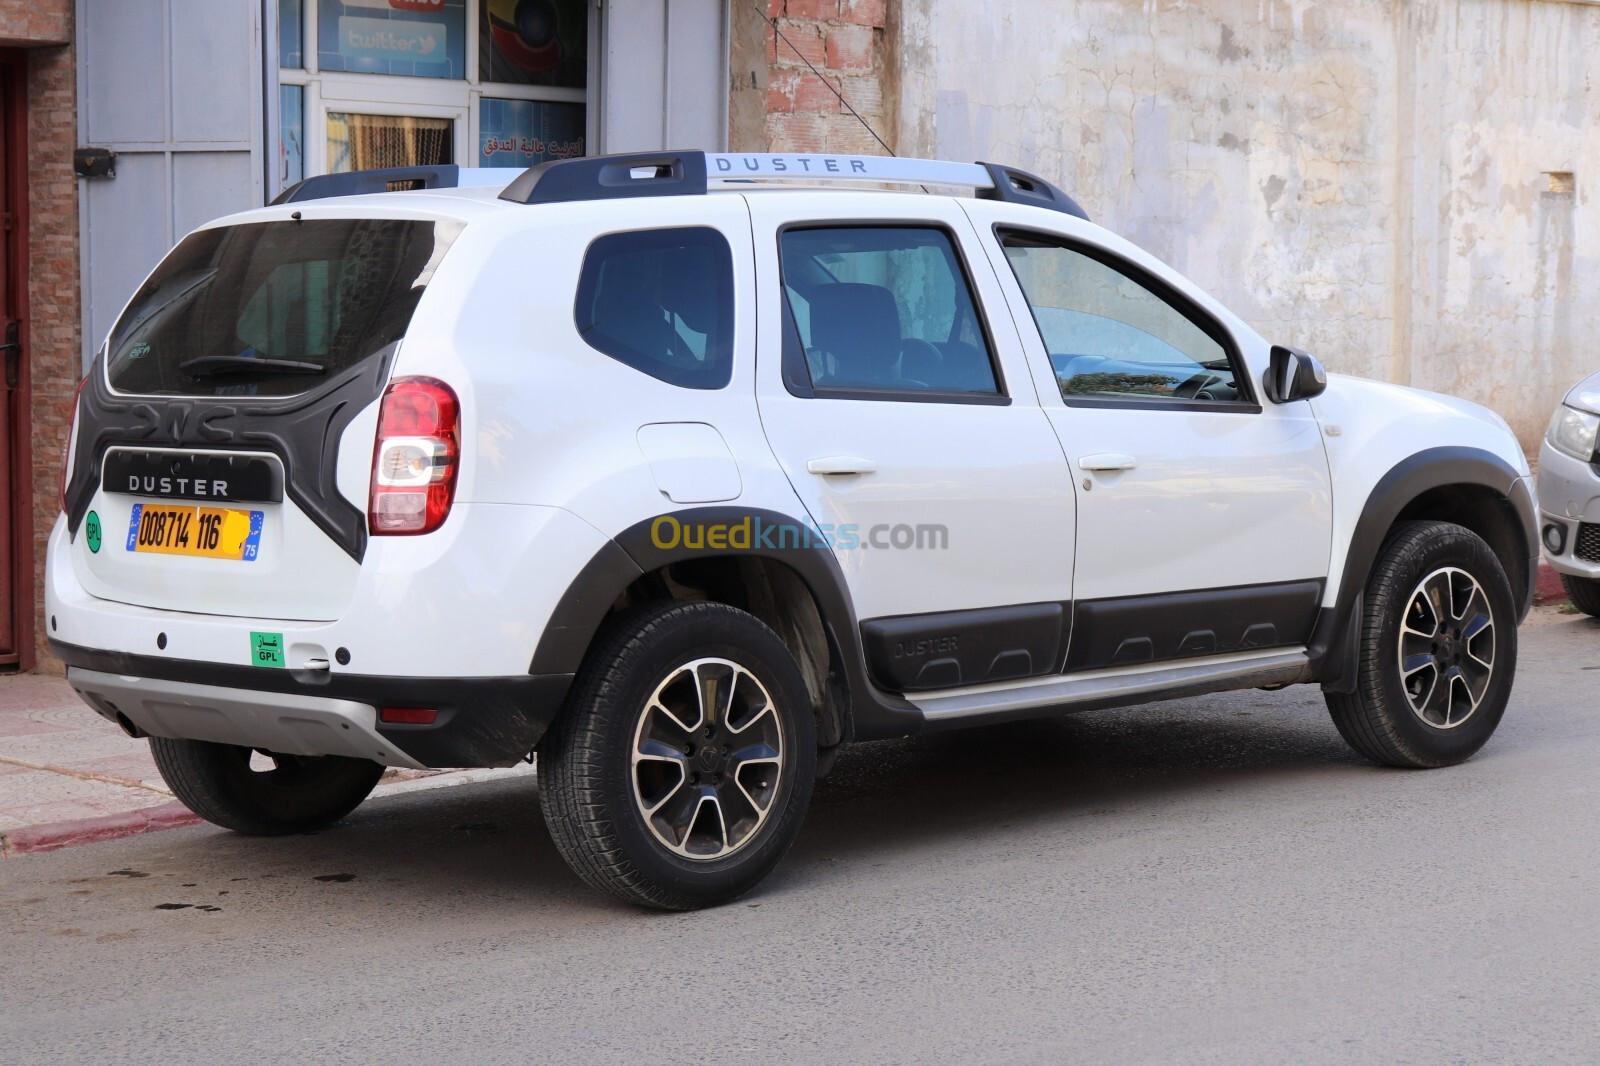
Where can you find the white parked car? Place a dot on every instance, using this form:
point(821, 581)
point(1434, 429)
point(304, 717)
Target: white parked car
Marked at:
point(1569, 494)
point(683, 474)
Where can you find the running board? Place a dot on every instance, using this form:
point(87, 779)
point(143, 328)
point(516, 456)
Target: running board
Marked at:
point(1114, 688)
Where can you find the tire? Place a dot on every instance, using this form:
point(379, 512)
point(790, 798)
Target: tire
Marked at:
point(644, 830)
point(1415, 723)
point(299, 794)
point(1584, 592)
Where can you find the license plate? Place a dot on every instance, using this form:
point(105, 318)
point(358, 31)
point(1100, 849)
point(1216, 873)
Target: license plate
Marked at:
point(209, 532)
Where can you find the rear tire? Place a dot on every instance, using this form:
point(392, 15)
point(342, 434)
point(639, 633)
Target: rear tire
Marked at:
point(653, 798)
point(299, 794)
point(1584, 592)
point(1438, 650)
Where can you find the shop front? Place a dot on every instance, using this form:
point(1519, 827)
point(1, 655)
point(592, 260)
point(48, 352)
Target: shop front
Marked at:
point(383, 83)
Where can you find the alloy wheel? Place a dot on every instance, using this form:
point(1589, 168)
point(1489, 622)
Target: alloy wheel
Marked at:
point(1446, 647)
point(707, 759)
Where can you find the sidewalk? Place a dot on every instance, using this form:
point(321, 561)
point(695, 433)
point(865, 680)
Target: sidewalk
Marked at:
point(67, 776)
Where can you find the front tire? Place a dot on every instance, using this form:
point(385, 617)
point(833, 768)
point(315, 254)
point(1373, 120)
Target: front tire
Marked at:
point(1438, 650)
point(298, 794)
point(1584, 592)
point(679, 772)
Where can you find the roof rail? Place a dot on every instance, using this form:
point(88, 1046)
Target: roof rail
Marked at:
point(610, 177)
point(690, 173)
point(357, 182)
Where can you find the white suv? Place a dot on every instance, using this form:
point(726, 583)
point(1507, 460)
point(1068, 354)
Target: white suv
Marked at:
point(682, 476)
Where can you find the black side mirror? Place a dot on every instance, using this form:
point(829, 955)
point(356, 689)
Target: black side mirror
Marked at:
point(1294, 375)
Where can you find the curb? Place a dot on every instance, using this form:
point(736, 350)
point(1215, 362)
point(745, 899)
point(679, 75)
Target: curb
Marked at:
point(174, 815)
point(1547, 588)
point(59, 835)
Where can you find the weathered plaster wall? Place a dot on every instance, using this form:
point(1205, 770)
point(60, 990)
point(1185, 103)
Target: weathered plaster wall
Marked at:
point(1504, 258)
point(1362, 178)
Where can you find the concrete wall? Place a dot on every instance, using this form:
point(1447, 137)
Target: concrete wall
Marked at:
point(1366, 179)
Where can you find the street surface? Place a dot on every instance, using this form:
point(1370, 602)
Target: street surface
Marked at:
point(1216, 881)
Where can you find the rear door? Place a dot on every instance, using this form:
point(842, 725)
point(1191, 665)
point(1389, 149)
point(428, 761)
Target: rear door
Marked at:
point(207, 472)
point(900, 408)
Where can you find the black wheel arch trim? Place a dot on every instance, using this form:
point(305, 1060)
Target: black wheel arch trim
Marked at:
point(868, 714)
point(1335, 639)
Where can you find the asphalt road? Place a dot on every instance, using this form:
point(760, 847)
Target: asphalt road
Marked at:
point(1216, 880)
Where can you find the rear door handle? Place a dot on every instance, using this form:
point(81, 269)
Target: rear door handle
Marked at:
point(1107, 461)
point(841, 464)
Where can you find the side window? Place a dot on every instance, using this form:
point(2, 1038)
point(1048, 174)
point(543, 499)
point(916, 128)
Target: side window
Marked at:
point(1111, 337)
point(661, 301)
point(885, 308)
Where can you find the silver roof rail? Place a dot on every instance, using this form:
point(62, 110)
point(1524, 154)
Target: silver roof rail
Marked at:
point(812, 167)
point(613, 177)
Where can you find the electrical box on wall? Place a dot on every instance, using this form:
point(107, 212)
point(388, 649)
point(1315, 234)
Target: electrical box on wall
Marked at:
point(94, 163)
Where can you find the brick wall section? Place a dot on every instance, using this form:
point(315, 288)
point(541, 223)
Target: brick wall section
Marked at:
point(52, 326)
point(55, 314)
point(843, 39)
point(25, 23)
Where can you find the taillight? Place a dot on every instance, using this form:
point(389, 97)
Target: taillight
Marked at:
point(414, 463)
point(66, 448)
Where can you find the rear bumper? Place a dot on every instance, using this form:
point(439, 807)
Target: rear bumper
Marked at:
point(482, 721)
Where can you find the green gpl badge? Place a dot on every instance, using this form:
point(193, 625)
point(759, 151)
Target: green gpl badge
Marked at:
point(266, 649)
point(91, 531)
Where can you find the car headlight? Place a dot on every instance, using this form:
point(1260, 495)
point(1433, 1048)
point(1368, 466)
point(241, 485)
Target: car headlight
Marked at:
point(1573, 431)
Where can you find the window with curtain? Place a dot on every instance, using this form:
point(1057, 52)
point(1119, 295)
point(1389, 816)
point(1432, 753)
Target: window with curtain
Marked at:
point(368, 142)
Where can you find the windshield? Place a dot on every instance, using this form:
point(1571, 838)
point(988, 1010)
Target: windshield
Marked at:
point(273, 308)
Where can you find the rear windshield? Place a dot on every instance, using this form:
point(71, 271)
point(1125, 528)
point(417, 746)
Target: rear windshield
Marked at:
point(274, 308)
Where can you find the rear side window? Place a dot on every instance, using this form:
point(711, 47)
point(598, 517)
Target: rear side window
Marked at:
point(885, 310)
point(661, 301)
point(274, 308)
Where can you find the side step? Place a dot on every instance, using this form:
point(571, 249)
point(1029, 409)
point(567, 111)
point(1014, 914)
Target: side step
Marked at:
point(1116, 687)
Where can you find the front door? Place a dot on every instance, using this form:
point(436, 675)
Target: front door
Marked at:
point(904, 417)
point(1205, 512)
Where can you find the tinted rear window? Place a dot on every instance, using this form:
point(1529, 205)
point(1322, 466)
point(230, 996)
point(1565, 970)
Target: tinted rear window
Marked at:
point(661, 301)
point(274, 308)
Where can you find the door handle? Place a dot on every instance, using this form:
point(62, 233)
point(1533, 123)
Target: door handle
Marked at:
point(1107, 461)
point(841, 464)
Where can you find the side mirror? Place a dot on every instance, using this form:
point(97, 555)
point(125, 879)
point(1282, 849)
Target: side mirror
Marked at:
point(1294, 375)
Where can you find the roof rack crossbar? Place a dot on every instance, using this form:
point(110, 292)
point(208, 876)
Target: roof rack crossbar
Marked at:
point(691, 173)
point(357, 182)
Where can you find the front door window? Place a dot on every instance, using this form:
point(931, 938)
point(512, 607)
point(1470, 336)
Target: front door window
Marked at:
point(1110, 337)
